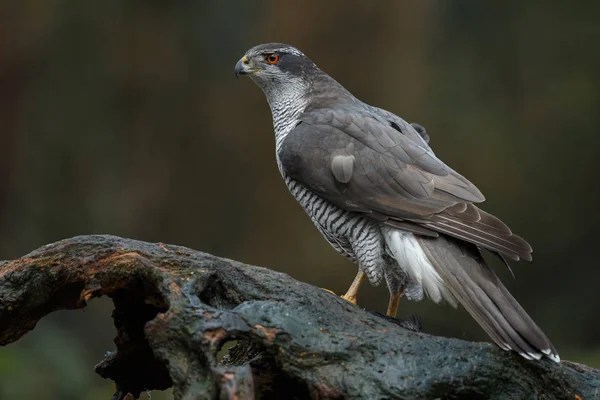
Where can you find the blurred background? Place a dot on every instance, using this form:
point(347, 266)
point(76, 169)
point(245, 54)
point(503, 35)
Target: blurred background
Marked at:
point(125, 117)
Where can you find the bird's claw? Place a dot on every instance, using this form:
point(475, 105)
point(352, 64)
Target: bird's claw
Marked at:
point(347, 297)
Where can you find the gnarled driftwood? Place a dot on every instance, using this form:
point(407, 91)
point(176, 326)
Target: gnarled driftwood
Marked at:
point(175, 308)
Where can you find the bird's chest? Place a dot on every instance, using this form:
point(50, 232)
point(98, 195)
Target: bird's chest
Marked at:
point(329, 219)
point(310, 202)
point(320, 210)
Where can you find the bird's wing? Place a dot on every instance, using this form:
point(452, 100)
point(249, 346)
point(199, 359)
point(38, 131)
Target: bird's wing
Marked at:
point(364, 162)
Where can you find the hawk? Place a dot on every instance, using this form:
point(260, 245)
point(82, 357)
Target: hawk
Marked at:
point(379, 195)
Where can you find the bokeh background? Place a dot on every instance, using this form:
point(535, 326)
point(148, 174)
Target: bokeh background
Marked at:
point(125, 117)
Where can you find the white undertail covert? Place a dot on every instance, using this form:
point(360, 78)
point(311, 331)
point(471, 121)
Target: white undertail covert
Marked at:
point(412, 259)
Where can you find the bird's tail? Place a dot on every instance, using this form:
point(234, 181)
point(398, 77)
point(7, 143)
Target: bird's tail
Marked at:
point(464, 275)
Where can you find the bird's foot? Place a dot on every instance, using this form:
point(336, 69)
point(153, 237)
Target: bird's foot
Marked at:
point(353, 289)
point(351, 293)
point(347, 297)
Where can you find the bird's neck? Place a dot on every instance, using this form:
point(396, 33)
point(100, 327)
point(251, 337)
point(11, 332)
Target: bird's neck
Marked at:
point(288, 101)
point(286, 107)
point(326, 92)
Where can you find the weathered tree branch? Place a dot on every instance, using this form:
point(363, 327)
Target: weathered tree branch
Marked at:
point(175, 308)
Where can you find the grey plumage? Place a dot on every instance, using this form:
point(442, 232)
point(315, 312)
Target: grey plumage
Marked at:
point(480, 291)
point(342, 164)
point(379, 195)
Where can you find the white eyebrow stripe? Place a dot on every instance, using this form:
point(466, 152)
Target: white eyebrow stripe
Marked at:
point(291, 50)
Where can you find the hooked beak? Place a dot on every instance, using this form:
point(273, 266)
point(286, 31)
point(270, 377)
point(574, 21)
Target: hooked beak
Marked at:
point(243, 67)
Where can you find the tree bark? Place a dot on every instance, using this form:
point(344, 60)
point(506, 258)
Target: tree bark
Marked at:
point(178, 311)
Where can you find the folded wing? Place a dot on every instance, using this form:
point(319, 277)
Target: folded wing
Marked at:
point(379, 165)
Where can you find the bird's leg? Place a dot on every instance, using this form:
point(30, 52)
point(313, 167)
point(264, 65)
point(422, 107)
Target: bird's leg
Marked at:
point(396, 286)
point(353, 289)
point(393, 304)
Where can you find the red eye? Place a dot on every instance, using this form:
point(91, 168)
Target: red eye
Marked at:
point(272, 58)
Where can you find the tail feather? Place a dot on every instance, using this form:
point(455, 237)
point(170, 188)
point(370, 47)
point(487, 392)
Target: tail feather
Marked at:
point(475, 285)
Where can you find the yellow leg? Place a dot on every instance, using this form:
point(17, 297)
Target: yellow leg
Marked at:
point(393, 305)
point(353, 290)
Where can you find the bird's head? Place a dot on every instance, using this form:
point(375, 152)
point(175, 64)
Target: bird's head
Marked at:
point(287, 76)
point(276, 65)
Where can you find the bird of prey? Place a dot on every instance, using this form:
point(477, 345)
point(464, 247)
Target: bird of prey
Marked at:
point(379, 195)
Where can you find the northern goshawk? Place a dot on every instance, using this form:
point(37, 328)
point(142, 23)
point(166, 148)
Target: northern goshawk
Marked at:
point(379, 195)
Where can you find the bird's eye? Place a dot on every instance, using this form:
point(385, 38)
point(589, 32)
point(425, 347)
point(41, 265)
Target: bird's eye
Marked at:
point(272, 58)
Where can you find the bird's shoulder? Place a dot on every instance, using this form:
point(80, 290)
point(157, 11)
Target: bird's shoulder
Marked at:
point(375, 133)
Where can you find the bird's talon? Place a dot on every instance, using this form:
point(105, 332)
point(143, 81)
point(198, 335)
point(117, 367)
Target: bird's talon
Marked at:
point(329, 291)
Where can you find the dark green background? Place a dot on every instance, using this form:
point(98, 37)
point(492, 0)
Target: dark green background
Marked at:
point(125, 117)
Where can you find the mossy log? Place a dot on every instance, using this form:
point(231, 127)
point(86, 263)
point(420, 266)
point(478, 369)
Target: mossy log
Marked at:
point(178, 311)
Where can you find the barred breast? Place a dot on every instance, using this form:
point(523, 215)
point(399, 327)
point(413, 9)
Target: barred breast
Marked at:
point(349, 233)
